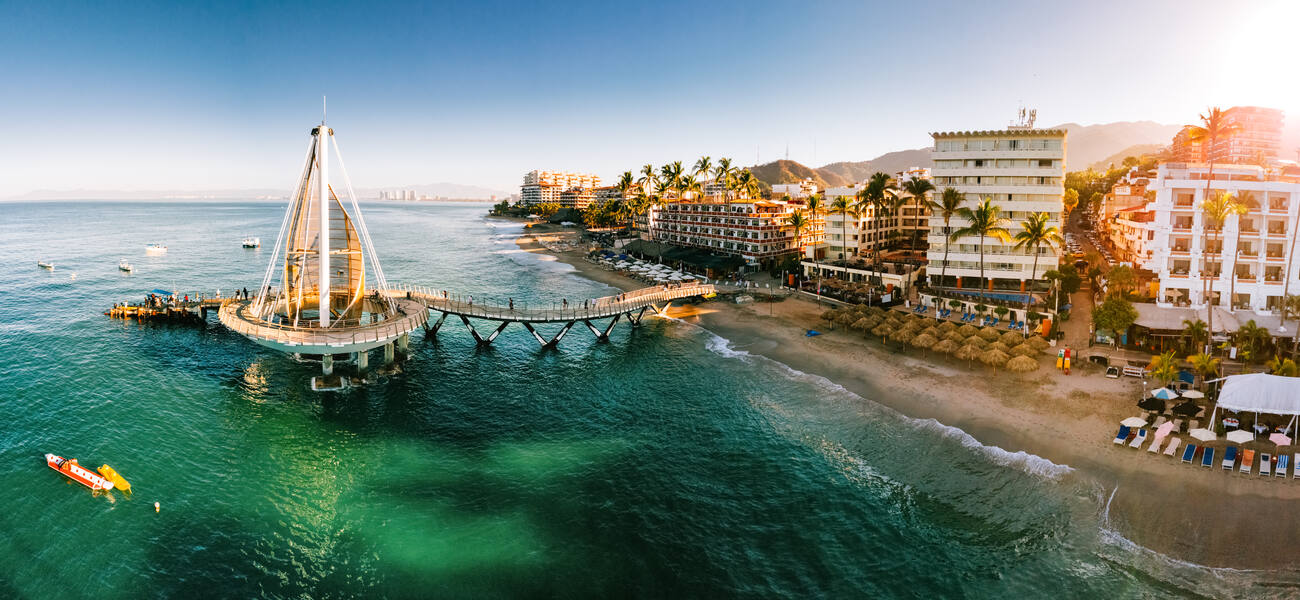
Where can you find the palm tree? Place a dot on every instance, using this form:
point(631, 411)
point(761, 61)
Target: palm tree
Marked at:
point(876, 193)
point(799, 223)
point(1034, 234)
point(702, 168)
point(689, 185)
point(671, 175)
point(1282, 366)
point(747, 184)
point(847, 209)
point(1214, 126)
point(985, 220)
point(723, 175)
point(917, 188)
point(1249, 337)
point(1214, 211)
point(1240, 205)
point(950, 201)
point(1164, 368)
point(649, 180)
point(1195, 331)
point(1204, 365)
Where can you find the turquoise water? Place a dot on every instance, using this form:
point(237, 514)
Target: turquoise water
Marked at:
point(663, 464)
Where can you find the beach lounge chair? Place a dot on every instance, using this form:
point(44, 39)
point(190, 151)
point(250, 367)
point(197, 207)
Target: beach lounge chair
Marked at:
point(1137, 441)
point(1247, 461)
point(1189, 453)
point(1230, 458)
point(1296, 459)
point(1122, 436)
point(1282, 464)
point(1178, 425)
point(1265, 464)
point(1160, 420)
point(1173, 446)
point(1155, 444)
point(1208, 459)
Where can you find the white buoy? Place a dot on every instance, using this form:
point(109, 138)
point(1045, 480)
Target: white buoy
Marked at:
point(157, 507)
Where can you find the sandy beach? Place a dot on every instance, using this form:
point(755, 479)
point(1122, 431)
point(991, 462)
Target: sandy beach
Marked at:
point(1203, 516)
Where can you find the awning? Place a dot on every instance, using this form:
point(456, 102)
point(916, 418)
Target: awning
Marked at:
point(1171, 318)
point(1262, 393)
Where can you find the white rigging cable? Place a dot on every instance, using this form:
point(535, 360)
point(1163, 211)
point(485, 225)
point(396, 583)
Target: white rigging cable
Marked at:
point(284, 227)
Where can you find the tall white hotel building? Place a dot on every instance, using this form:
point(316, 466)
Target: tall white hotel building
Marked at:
point(1022, 170)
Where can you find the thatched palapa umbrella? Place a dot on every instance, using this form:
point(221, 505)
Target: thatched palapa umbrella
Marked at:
point(1022, 364)
point(902, 336)
point(994, 358)
point(968, 353)
point(1012, 338)
point(1001, 347)
point(924, 341)
point(1039, 342)
point(883, 330)
point(989, 334)
point(946, 346)
point(830, 315)
point(845, 317)
point(861, 324)
point(1026, 349)
point(933, 332)
point(968, 329)
point(955, 337)
point(976, 341)
point(947, 326)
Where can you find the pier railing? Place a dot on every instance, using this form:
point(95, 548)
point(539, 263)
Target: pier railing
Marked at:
point(239, 317)
point(499, 309)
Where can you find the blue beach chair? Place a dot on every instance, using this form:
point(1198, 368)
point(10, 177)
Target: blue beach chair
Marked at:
point(1283, 461)
point(1208, 459)
point(1122, 436)
point(1230, 458)
point(1189, 453)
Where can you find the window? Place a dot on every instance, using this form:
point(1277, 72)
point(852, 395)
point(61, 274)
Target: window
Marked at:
point(1044, 163)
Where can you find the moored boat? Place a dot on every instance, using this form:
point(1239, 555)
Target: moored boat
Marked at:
point(125, 266)
point(44, 265)
point(115, 478)
point(155, 250)
point(70, 469)
point(252, 242)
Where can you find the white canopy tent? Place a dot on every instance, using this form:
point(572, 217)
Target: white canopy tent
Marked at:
point(1260, 393)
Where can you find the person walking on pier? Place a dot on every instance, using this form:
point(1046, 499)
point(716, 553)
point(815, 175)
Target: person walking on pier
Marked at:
point(512, 303)
point(245, 293)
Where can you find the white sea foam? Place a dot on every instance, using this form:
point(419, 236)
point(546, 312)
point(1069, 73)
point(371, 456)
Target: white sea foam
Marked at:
point(1029, 463)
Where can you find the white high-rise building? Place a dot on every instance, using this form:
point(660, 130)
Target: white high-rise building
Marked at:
point(1021, 170)
point(550, 186)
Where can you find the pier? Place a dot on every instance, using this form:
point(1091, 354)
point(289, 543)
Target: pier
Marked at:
point(632, 306)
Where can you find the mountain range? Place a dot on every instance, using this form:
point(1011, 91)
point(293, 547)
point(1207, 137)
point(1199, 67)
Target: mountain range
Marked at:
point(1085, 145)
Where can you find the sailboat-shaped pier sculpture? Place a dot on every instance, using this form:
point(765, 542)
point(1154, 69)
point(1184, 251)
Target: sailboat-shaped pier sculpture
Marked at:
point(326, 294)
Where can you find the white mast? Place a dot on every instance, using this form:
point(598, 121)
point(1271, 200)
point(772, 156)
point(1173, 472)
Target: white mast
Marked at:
point(322, 146)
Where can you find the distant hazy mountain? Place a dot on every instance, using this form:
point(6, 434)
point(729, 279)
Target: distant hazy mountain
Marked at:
point(1086, 145)
point(1135, 150)
point(444, 190)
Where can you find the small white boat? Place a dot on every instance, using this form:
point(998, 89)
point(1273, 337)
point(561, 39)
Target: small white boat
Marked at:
point(44, 265)
point(125, 266)
point(155, 250)
point(252, 242)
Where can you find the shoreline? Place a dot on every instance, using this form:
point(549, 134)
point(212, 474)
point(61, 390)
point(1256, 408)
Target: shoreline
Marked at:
point(1185, 512)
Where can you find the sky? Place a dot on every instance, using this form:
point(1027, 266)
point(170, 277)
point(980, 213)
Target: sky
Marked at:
point(223, 95)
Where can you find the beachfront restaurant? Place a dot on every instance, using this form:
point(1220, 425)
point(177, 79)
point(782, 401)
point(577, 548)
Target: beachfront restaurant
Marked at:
point(1160, 328)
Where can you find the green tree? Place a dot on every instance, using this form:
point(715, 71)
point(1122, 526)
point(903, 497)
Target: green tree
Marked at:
point(1282, 366)
point(1120, 281)
point(1213, 213)
point(1195, 333)
point(919, 189)
point(1070, 200)
point(725, 175)
point(947, 205)
point(846, 208)
point(799, 223)
point(1164, 368)
point(1036, 232)
point(984, 220)
point(545, 210)
point(1115, 315)
point(1239, 205)
point(1205, 365)
point(1251, 337)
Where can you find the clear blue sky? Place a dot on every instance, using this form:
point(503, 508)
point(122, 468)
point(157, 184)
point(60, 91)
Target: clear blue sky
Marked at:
point(223, 96)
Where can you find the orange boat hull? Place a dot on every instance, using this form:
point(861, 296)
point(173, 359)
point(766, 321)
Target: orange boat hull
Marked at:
point(77, 473)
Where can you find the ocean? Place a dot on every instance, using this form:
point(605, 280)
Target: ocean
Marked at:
point(662, 464)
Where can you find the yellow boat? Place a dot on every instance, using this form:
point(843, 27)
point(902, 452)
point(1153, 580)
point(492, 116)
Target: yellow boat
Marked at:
point(113, 476)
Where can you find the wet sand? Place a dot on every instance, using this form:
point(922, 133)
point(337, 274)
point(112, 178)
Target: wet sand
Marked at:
point(1203, 516)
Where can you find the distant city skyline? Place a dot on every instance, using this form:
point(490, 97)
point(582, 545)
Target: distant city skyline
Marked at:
point(167, 97)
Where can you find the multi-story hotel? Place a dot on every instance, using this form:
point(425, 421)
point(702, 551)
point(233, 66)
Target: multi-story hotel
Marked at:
point(796, 191)
point(847, 235)
point(1258, 134)
point(1021, 170)
point(757, 230)
point(573, 190)
point(1248, 260)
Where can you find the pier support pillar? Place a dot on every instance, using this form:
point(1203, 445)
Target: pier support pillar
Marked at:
point(602, 336)
point(327, 364)
point(363, 360)
point(404, 342)
point(388, 353)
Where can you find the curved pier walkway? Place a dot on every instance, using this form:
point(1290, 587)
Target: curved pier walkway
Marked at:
point(632, 305)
